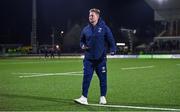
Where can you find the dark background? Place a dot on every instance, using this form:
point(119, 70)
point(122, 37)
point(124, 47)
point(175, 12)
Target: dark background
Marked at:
point(16, 18)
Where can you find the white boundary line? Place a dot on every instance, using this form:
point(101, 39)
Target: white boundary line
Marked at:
point(27, 75)
point(133, 68)
point(50, 74)
point(135, 107)
point(46, 73)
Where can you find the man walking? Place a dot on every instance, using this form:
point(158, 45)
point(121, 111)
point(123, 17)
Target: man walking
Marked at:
point(93, 40)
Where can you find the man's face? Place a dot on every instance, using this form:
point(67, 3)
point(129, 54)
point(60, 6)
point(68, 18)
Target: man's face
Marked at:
point(93, 18)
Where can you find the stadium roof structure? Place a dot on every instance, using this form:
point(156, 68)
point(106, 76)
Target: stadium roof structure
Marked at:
point(168, 38)
point(165, 9)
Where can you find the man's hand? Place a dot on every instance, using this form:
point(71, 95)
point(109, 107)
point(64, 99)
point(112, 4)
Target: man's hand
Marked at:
point(84, 47)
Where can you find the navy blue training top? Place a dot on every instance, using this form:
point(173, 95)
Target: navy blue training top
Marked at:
point(95, 37)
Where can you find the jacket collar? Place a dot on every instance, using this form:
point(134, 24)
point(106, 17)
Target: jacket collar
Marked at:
point(100, 22)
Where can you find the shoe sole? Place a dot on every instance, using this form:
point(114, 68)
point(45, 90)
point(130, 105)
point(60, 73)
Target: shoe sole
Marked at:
point(79, 102)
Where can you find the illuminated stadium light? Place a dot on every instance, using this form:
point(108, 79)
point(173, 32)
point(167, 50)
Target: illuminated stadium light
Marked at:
point(120, 44)
point(62, 32)
point(162, 1)
point(57, 46)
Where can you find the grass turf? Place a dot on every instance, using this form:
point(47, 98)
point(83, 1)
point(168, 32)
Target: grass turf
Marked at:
point(158, 86)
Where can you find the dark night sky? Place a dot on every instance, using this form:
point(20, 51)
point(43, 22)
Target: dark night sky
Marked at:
point(16, 16)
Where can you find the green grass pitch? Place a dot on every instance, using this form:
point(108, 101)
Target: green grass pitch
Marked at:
point(158, 85)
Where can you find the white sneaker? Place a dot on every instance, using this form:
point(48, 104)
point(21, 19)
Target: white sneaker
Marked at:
point(102, 100)
point(81, 100)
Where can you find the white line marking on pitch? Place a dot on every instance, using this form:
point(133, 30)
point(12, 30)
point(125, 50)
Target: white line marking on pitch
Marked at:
point(27, 75)
point(46, 73)
point(50, 74)
point(136, 107)
point(133, 68)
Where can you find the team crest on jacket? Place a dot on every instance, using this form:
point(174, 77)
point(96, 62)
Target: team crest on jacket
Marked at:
point(99, 30)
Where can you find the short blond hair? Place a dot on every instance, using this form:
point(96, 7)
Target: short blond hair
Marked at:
point(97, 11)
